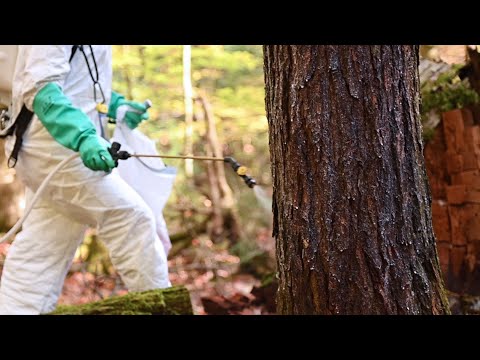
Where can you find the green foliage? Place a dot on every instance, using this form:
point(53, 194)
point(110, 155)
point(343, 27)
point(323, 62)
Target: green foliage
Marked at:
point(428, 133)
point(231, 77)
point(447, 93)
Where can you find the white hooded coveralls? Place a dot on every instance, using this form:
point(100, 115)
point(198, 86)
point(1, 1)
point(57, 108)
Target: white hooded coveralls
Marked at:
point(76, 198)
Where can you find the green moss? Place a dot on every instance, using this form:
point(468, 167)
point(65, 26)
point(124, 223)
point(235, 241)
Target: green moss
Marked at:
point(268, 279)
point(170, 301)
point(447, 93)
point(445, 302)
point(428, 134)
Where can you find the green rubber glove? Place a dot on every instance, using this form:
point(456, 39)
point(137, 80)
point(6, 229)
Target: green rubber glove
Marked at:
point(131, 112)
point(95, 155)
point(71, 127)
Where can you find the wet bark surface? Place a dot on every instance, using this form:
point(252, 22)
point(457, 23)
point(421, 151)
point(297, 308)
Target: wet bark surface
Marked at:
point(351, 202)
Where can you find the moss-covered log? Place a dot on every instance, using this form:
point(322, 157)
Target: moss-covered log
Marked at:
point(170, 301)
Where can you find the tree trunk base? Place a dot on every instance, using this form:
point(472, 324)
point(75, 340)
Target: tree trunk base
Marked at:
point(170, 301)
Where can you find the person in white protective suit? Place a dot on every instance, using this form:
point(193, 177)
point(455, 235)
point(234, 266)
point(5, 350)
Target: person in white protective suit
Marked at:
point(70, 99)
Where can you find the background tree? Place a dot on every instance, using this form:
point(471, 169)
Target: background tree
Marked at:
point(351, 199)
point(472, 68)
point(188, 98)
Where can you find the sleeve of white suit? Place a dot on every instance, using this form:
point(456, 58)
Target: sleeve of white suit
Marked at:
point(43, 64)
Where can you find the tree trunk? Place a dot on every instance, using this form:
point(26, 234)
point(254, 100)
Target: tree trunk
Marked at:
point(143, 59)
point(225, 223)
point(351, 202)
point(215, 228)
point(171, 301)
point(126, 74)
point(215, 149)
point(473, 67)
point(188, 99)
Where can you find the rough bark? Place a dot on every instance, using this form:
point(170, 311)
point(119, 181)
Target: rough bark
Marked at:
point(171, 301)
point(351, 202)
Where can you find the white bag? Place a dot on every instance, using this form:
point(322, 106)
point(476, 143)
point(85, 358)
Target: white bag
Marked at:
point(149, 177)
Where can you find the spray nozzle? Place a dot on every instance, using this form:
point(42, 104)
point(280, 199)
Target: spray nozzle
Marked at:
point(241, 171)
point(117, 154)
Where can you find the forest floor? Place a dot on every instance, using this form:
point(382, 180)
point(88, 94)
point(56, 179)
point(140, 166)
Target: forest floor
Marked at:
point(464, 304)
point(217, 283)
point(214, 277)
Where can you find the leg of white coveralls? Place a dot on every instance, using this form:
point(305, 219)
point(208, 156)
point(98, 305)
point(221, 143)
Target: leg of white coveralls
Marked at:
point(38, 261)
point(125, 224)
point(131, 237)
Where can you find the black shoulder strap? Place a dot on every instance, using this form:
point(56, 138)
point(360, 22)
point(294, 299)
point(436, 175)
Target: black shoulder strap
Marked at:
point(22, 122)
point(21, 125)
point(74, 50)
